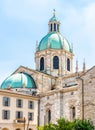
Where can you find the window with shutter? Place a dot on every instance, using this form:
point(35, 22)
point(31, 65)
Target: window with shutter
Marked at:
point(30, 116)
point(19, 103)
point(19, 114)
point(6, 114)
point(31, 105)
point(6, 101)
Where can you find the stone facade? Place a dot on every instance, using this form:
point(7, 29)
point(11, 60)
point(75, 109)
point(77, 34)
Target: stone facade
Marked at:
point(88, 85)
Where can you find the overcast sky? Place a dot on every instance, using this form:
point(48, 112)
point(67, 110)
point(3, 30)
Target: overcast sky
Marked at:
point(23, 22)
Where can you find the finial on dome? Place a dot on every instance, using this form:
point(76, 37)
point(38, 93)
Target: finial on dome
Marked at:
point(54, 12)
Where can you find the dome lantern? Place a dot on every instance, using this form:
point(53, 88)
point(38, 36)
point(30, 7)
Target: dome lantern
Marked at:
point(54, 23)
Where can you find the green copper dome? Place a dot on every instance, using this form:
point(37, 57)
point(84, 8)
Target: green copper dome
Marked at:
point(54, 40)
point(19, 80)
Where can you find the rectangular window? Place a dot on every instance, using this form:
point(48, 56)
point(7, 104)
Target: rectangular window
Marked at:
point(6, 114)
point(30, 116)
point(19, 103)
point(19, 114)
point(31, 105)
point(6, 101)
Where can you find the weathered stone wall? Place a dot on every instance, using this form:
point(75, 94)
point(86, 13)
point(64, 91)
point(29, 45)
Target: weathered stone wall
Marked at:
point(50, 102)
point(60, 102)
point(71, 99)
point(89, 94)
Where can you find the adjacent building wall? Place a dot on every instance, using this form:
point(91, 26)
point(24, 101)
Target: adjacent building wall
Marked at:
point(11, 123)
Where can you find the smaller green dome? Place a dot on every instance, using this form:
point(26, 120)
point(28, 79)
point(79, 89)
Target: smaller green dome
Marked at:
point(53, 19)
point(18, 80)
point(54, 40)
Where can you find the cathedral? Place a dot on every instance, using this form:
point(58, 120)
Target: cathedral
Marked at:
point(31, 98)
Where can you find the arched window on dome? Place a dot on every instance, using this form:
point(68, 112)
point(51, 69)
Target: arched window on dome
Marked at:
point(68, 64)
point(41, 64)
point(55, 62)
point(54, 26)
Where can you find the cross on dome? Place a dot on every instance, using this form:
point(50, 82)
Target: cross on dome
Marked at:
point(54, 12)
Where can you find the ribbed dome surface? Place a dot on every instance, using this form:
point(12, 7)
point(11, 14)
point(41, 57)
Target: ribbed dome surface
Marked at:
point(19, 80)
point(54, 40)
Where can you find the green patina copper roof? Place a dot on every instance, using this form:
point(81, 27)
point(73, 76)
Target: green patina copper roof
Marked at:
point(53, 19)
point(54, 40)
point(19, 80)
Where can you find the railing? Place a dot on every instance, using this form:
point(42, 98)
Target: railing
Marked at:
point(22, 121)
point(19, 120)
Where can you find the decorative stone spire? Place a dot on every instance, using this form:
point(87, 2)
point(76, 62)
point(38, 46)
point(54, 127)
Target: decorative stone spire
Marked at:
point(84, 66)
point(72, 47)
point(76, 66)
point(36, 45)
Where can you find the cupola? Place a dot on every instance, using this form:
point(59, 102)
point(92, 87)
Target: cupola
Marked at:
point(54, 23)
